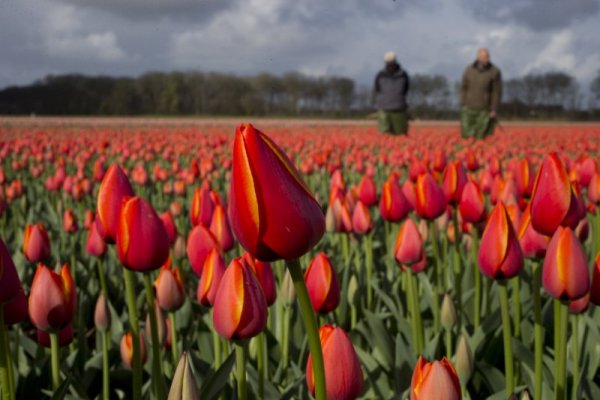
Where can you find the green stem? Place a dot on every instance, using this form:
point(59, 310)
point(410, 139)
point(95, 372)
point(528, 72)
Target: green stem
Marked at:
point(368, 246)
point(285, 353)
point(506, 332)
point(310, 325)
point(538, 332)
point(156, 361)
point(260, 354)
point(101, 276)
point(575, 354)
point(477, 279)
point(561, 351)
point(517, 303)
point(174, 341)
point(416, 311)
point(55, 364)
point(345, 248)
point(437, 284)
point(6, 386)
point(216, 349)
point(135, 334)
point(240, 363)
point(105, 367)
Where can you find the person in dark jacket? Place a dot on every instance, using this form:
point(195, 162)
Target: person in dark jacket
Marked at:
point(480, 94)
point(389, 94)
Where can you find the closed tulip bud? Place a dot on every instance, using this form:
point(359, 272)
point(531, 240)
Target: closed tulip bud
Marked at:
point(581, 305)
point(169, 224)
point(126, 349)
point(322, 284)
point(170, 291)
point(52, 299)
point(36, 244)
point(367, 191)
point(240, 309)
point(435, 380)
point(525, 395)
point(15, 309)
point(65, 337)
point(115, 187)
point(464, 359)
point(183, 386)
point(565, 273)
point(219, 226)
point(343, 215)
point(10, 285)
point(212, 272)
point(102, 314)
point(533, 244)
point(161, 325)
point(288, 291)
point(69, 221)
point(393, 205)
point(95, 245)
point(180, 248)
point(343, 376)
point(593, 191)
point(265, 277)
point(409, 191)
point(202, 207)
point(595, 289)
point(453, 182)
point(330, 222)
point(524, 177)
point(500, 255)
point(448, 313)
point(88, 219)
point(352, 292)
point(430, 199)
point(199, 244)
point(361, 219)
point(408, 249)
point(142, 242)
point(583, 230)
point(472, 203)
point(274, 214)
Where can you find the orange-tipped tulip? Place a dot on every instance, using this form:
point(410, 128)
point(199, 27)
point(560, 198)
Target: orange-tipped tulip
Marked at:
point(220, 227)
point(126, 349)
point(367, 191)
point(95, 245)
point(142, 242)
point(274, 214)
point(565, 273)
point(10, 285)
point(53, 299)
point(169, 224)
point(361, 219)
point(472, 203)
point(322, 284)
point(115, 187)
point(212, 272)
point(435, 380)
point(500, 255)
point(170, 291)
point(408, 249)
point(265, 277)
point(393, 205)
point(199, 244)
point(429, 197)
point(343, 376)
point(69, 221)
point(36, 244)
point(454, 181)
point(202, 207)
point(240, 309)
point(533, 244)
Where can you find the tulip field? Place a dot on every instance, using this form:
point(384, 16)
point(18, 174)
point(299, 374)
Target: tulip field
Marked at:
point(287, 259)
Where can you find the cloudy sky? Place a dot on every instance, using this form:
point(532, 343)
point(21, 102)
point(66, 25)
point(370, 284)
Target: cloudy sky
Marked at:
point(316, 37)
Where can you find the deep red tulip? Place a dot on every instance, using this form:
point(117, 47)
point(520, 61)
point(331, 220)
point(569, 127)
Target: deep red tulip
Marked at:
point(408, 249)
point(240, 309)
point(170, 290)
point(220, 227)
point(322, 284)
point(343, 376)
point(393, 205)
point(212, 272)
point(169, 224)
point(126, 349)
point(15, 309)
point(69, 221)
point(114, 188)
point(265, 277)
point(472, 203)
point(65, 337)
point(95, 245)
point(409, 191)
point(533, 244)
point(453, 182)
point(10, 285)
point(581, 305)
point(274, 214)
point(595, 289)
point(565, 273)
point(36, 244)
point(361, 219)
point(202, 206)
point(199, 244)
point(53, 299)
point(367, 191)
point(142, 241)
point(500, 256)
point(524, 177)
point(430, 200)
point(435, 380)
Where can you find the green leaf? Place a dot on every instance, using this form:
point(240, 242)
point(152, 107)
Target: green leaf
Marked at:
point(215, 382)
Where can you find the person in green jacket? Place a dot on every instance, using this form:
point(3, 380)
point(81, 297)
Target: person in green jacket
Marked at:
point(480, 94)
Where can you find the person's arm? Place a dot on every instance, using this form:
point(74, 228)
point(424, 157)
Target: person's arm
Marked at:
point(407, 87)
point(464, 86)
point(496, 92)
point(376, 89)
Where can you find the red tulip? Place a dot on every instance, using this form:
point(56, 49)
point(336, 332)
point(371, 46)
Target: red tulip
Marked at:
point(361, 219)
point(65, 337)
point(95, 245)
point(594, 189)
point(220, 227)
point(265, 277)
point(581, 305)
point(202, 206)
point(524, 177)
point(36, 244)
point(126, 349)
point(393, 205)
point(212, 272)
point(367, 191)
point(274, 214)
point(322, 284)
point(454, 181)
point(53, 299)
point(533, 244)
point(435, 380)
point(565, 273)
point(170, 291)
point(472, 203)
point(15, 309)
point(408, 249)
point(88, 219)
point(10, 285)
point(409, 191)
point(199, 244)
point(240, 309)
point(69, 221)
point(343, 376)
point(342, 215)
point(169, 224)
point(430, 200)
point(142, 242)
point(595, 289)
point(114, 188)
point(500, 256)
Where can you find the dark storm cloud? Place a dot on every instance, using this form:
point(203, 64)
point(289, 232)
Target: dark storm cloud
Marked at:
point(539, 15)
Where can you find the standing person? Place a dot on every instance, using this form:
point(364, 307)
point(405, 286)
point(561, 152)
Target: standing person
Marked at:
point(389, 93)
point(480, 94)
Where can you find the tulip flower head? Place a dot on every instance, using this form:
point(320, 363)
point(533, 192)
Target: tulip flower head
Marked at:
point(170, 291)
point(53, 299)
point(322, 284)
point(115, 187)
point(430, 199)
point(212, 272)
point(10, 285)
point(435, 380)
point(36, 244)
point(408, 249)
point(393, 205)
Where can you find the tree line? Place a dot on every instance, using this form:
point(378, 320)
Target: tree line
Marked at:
point(543, 95)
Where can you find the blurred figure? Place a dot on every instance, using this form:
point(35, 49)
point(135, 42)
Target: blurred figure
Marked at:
point(480, 94)
point(389, 94)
